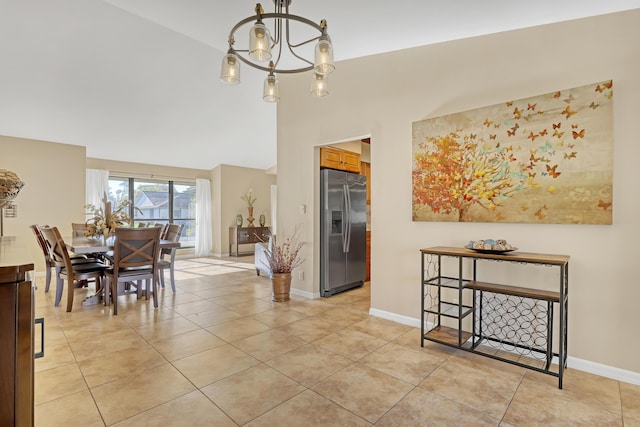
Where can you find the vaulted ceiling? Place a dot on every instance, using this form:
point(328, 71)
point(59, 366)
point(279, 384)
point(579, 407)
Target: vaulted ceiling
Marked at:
point(137, 80)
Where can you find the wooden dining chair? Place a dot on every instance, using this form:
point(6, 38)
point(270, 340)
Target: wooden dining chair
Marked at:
point(135, 259)
point(68, 271)
point(49, 264)
point(48, 261)
point(163, 229)
point(172, 233)
point(77, 229)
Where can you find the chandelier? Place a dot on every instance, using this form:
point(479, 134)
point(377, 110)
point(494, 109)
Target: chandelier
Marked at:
point(262, 45)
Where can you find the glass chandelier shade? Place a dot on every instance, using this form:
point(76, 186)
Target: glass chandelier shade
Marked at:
point(230, 71)
point(319, 85)
point(259, 43)
point(271, 92)
point(323, 59)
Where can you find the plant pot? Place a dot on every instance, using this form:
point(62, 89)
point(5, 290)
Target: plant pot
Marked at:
point(280, 286)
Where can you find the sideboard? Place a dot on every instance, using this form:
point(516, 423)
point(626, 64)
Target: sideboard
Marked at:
point(245, 236)
point(511, 323)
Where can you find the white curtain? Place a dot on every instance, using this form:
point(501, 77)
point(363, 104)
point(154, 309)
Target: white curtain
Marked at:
point(274, 208)
point(97, 186)
point(204, 242)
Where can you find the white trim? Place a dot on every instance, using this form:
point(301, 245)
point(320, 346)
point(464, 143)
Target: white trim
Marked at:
point(410, 321)
point(305, 294)
point(572, 362)
point(604, 370)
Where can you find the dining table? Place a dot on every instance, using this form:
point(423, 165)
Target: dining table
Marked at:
point(82, 245)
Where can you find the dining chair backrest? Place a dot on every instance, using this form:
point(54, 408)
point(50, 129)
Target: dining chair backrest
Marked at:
point(136, 248)
point(173, 232)
point(163, 229)
point(37, 232)
point(135, 259)
point(57, 248)
point(66, 269)
point(48, 262)
point(77, 229)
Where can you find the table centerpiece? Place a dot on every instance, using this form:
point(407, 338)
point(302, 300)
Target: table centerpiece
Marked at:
point(104, 220)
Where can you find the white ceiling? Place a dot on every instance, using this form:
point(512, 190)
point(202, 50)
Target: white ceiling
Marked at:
point(137, 80)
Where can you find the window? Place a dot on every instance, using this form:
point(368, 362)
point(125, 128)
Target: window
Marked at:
point(152, 200)
point(160, 202)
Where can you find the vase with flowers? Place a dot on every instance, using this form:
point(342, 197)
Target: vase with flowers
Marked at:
point(250, 201)
point(104, 219)
point(282, 257)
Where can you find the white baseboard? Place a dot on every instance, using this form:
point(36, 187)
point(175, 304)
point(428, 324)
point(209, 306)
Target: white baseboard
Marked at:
point(572, 362)
point(405, 320)
point(604, 370)
point(305, 294)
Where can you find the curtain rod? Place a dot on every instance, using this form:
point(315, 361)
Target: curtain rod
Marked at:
point(151, 176)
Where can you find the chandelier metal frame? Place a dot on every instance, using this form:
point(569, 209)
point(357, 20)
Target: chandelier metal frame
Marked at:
point(262, 46)
point(278, 17)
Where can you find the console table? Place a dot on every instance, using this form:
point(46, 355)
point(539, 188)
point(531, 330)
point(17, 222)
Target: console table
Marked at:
point(245, 236)
point(510, 323)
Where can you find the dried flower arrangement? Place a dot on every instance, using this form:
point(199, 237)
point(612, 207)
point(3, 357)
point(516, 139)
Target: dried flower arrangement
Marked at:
point(249, 198)
point(104, 221)
point(284, 257)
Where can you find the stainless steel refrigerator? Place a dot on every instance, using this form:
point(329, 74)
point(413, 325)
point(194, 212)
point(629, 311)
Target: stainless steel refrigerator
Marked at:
point(343, 231)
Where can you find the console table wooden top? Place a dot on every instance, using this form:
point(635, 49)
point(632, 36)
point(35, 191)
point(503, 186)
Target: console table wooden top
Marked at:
point(515, 256)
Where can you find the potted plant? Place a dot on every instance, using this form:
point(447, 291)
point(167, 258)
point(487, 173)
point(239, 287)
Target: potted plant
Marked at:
point(282, 258)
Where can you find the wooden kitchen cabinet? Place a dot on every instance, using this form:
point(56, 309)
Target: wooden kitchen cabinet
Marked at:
point(368, 256)
point(365, 169)
point(335, 158)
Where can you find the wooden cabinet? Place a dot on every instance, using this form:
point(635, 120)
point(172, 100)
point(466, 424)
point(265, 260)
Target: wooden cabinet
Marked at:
point(365, 169)
point(245, 236)
point(335, 158)
point(368, 256)
point(16, 335)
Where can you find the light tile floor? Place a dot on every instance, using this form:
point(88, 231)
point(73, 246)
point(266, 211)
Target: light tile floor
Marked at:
point(218, 352)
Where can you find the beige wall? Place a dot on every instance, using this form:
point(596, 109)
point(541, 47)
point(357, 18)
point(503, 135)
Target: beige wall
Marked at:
point(232, 182)
point(382, 95)
point(143, 170)
point(54, 191)
point(216, 210)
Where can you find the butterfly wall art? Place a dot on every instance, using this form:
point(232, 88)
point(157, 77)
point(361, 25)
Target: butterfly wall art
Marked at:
point(543, 159)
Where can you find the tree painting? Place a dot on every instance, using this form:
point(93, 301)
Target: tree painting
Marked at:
point(545, 159)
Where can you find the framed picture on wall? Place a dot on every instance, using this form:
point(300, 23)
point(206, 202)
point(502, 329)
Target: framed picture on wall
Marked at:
point(544, 159)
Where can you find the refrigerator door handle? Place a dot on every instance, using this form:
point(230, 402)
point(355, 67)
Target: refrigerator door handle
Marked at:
point(347, 237)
